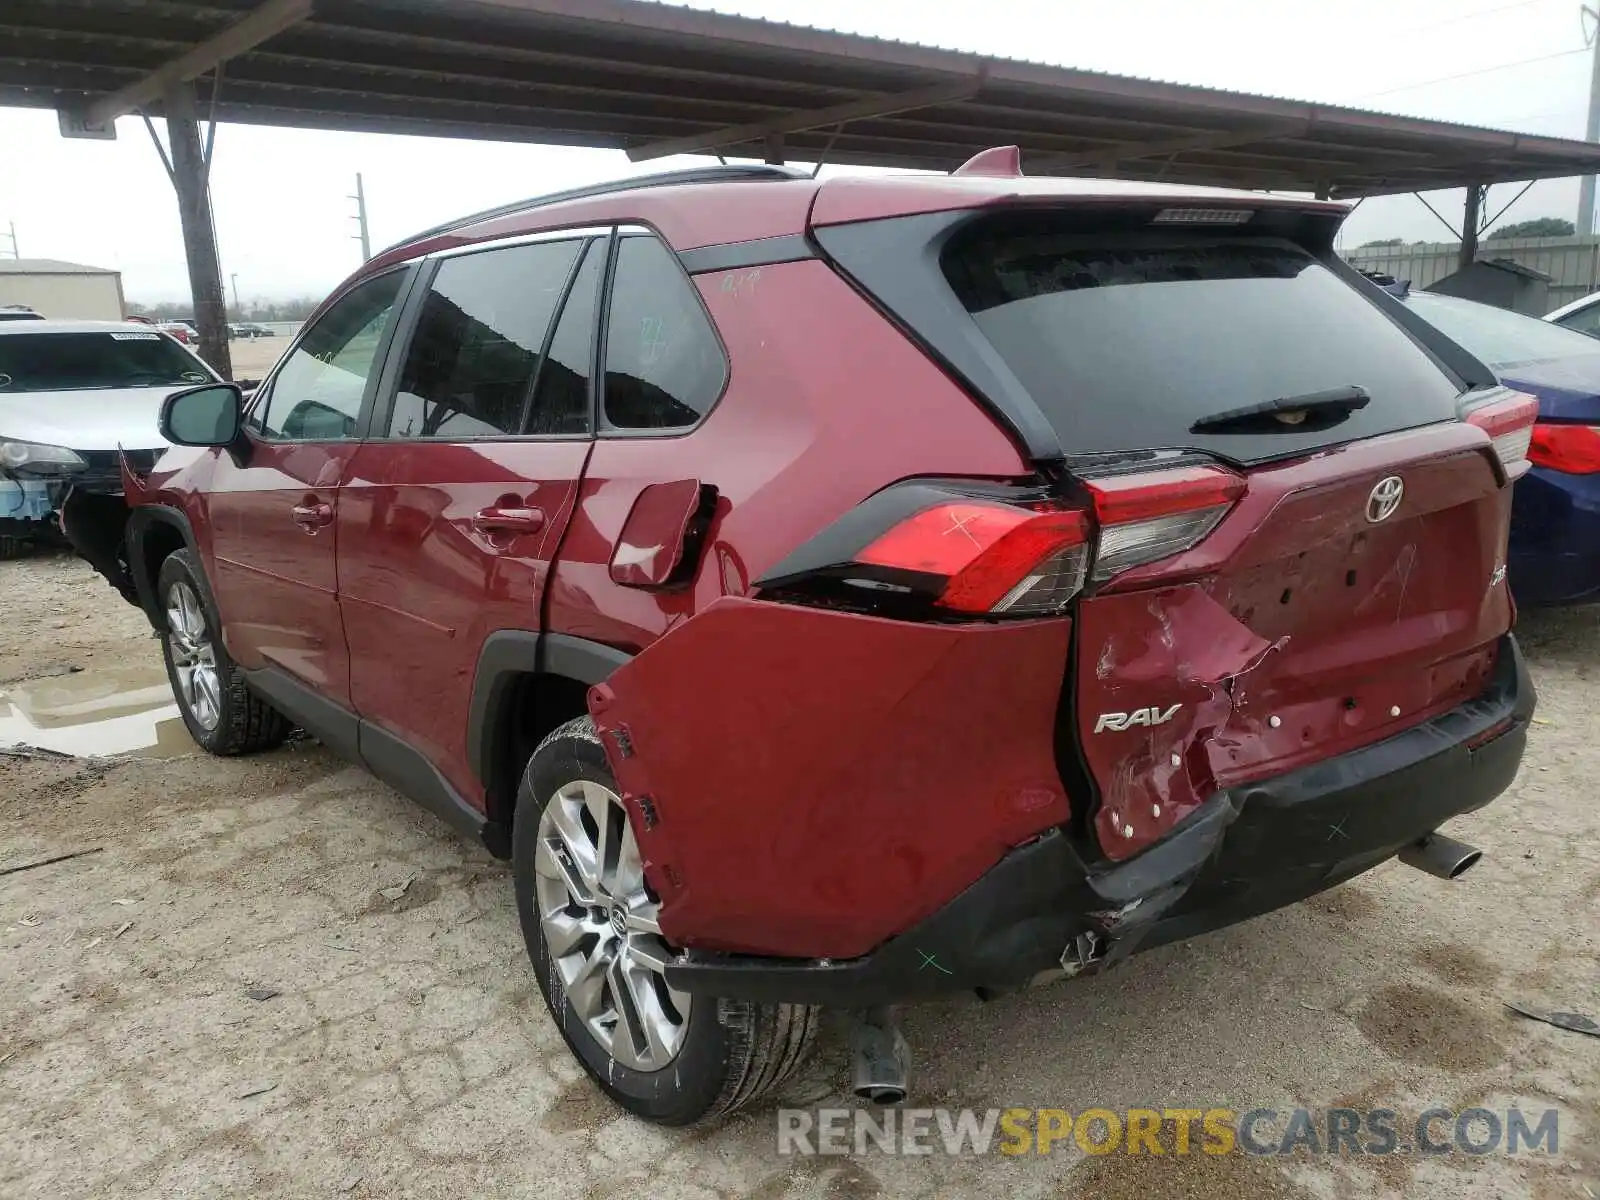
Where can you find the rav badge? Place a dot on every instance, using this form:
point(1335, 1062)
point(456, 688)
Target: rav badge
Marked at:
point(1117, 722)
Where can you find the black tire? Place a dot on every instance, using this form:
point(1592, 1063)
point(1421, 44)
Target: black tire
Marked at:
point(246, 723)
point(733, 1052)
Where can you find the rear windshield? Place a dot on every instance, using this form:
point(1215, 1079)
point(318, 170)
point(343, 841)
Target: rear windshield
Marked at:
point(1126, 340)
point(68, 362)
point(1498, 338)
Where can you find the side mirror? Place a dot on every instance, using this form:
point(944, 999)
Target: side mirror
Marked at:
point(209, 415)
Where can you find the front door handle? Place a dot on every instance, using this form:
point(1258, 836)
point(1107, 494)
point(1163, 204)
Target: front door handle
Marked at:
point(508, 520)
point(312, 517)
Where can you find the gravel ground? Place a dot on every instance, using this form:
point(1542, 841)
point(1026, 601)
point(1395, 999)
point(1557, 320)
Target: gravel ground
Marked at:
point(406, 1052)
point(253, 357)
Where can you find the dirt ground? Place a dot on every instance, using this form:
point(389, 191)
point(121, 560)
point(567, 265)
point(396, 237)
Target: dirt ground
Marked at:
point(406, 1053)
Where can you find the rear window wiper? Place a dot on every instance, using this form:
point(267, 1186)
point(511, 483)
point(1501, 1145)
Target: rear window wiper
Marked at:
point(1310, 410)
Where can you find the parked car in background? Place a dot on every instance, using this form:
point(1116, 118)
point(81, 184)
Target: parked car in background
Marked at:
point(1555, 522)
point(248, 329)
point(1120, 547)
point(18, 312)
point(1581, 316)
point(71, 394)
point(180, 331)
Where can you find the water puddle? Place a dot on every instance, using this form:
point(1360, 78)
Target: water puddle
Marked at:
point(115, 710)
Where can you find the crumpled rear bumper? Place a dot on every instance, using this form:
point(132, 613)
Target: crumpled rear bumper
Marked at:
point(1246, 851)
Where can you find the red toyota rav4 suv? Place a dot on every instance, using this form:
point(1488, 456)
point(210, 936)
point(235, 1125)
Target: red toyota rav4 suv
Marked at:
point(843, 592)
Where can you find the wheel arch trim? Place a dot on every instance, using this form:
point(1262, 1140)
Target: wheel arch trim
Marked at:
point(140, 521)
point(507, 655)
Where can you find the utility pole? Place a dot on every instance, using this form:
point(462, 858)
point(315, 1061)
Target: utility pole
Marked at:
point(238, 313)
point(15, 253)
point(361, 218)
point(1591, 130)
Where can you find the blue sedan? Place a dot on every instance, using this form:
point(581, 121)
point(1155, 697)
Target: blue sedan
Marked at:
point(1555, 517)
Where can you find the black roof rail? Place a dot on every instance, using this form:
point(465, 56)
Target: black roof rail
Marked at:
point(723, 173)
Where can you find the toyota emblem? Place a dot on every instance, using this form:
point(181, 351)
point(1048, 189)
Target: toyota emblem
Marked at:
point(1385, 498)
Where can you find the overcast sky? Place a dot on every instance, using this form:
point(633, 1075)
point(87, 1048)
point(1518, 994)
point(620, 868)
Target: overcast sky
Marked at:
point(283, 216)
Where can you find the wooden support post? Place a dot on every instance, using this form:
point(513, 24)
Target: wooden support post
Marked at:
point(191, 179)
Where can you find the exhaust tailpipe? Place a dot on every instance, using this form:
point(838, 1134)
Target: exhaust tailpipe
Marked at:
point(1441, 856)
point(880, 1059)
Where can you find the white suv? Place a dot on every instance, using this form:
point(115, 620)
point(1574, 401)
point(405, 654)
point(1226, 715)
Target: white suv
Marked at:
point(72, 393)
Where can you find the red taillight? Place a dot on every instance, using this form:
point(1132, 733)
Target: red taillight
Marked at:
point(1574, 449)
point(994, 557)
point(1031, 560)
point(1509, 424)
point(1153, 514)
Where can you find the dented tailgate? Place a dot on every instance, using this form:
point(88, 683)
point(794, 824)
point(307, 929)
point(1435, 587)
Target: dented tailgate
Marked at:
point(1299, 630)
point(808, 782)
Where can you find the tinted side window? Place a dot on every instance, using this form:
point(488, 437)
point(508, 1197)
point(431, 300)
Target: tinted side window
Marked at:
point(664, 365)
point(562, 405)
point(316, 394)
point(477, 343)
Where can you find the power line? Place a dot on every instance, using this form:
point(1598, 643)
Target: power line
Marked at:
point(1440, 22)
point(1521, 62)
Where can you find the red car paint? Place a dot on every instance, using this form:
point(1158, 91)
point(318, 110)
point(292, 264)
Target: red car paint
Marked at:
point(807, 828)
point(784, 448)
point(809, 780)
point(273, 556)
point(1295, 608)
point(417, 570)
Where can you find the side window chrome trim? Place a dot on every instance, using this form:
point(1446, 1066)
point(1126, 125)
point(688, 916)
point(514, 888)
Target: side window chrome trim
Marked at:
point(522, 239)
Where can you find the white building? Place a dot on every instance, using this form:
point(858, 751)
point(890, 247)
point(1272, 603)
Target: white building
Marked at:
point(61, 289)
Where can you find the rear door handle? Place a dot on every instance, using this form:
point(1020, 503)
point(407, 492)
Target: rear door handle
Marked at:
point(312, 517)
point(508, 520)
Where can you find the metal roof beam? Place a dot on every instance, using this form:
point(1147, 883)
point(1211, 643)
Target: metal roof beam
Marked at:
point(799, 122)
point(1109, 156)
point(271, 18)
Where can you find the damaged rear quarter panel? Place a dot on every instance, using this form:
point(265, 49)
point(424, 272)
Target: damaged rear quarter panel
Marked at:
point(808, 782)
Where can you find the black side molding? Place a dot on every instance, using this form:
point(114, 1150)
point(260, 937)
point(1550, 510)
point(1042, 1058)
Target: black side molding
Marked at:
point(381, 752)
point(760, 252)
point(412, 775)
point(335, 726)
point(580, 659)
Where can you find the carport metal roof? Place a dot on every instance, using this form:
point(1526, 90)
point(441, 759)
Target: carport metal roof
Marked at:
point(653, 79)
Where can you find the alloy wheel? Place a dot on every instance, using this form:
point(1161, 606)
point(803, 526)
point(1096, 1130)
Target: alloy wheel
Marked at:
point(194, 659)
point(599, 925)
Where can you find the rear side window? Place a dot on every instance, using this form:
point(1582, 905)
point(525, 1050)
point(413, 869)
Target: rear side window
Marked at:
point(478, 342)
point(664, 365)
point(1126, 340)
